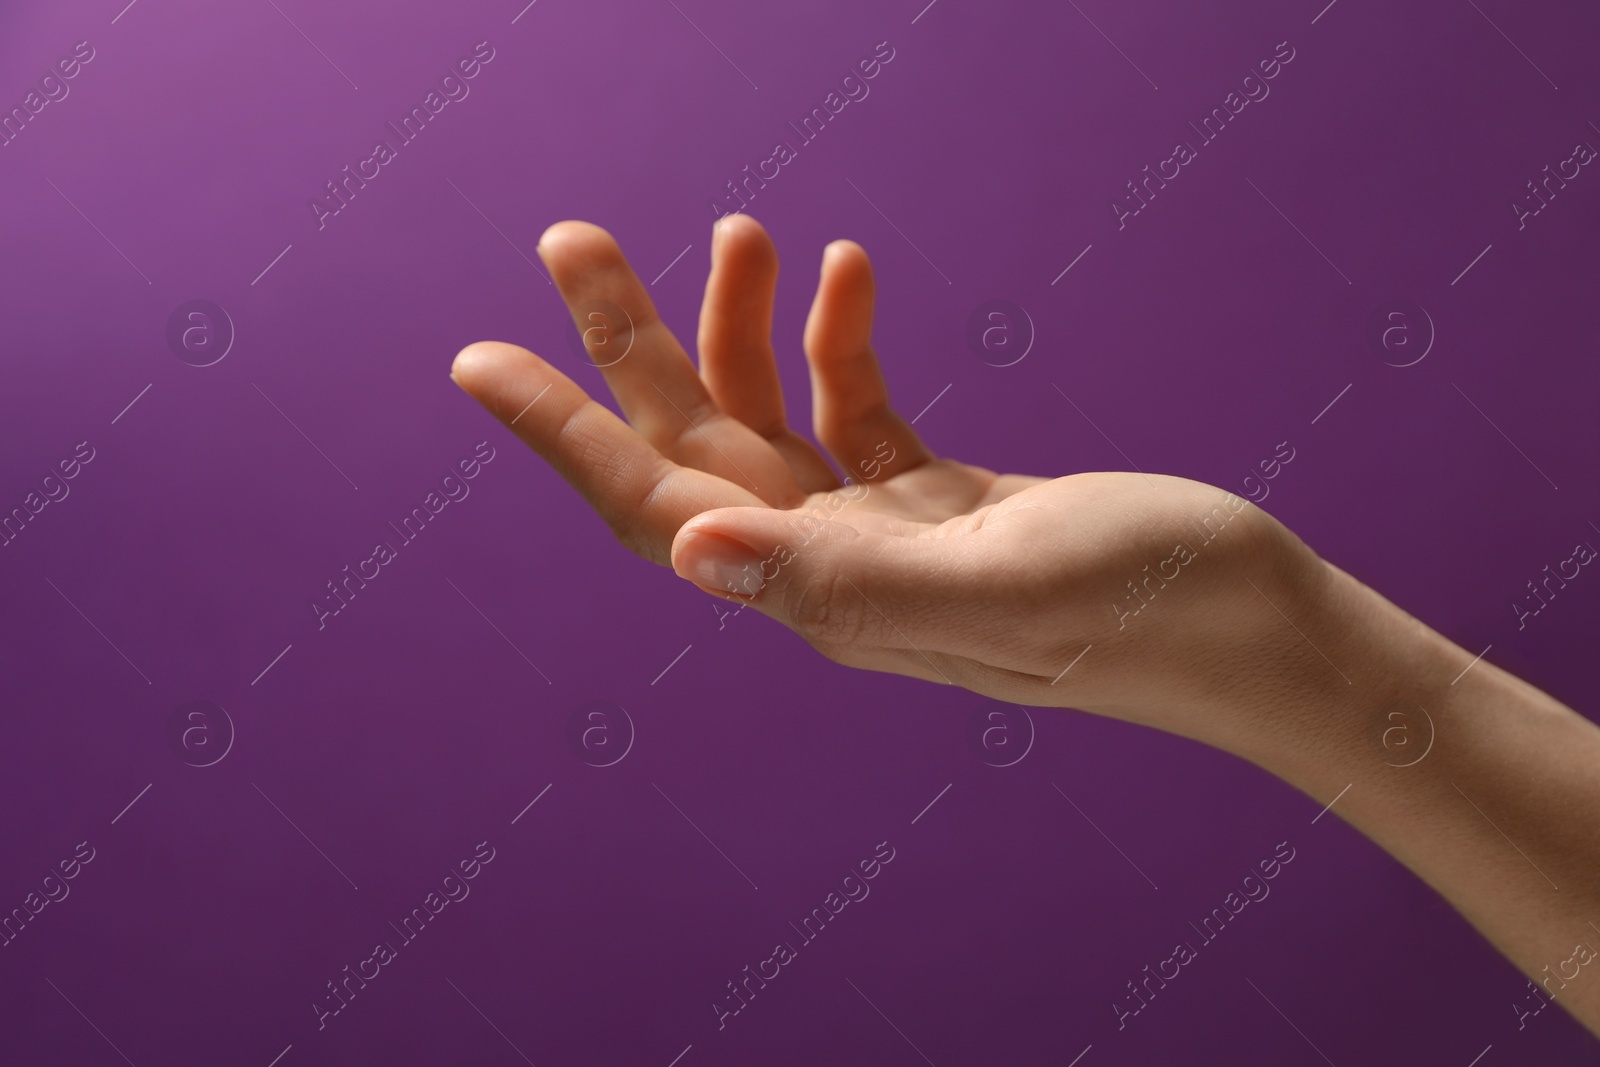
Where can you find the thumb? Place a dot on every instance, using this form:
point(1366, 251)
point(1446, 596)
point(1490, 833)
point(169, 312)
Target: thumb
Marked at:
point(832, 583)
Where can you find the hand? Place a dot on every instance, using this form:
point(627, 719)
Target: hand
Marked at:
point(1153, 599)
point(917, 565)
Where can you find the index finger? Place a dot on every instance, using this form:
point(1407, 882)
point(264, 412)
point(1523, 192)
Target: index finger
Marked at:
point(643, 496)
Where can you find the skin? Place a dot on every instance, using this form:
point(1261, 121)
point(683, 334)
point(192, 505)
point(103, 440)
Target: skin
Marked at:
point(1022, 588)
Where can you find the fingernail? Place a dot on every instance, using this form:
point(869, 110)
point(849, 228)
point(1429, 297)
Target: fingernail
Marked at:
point(719, 563)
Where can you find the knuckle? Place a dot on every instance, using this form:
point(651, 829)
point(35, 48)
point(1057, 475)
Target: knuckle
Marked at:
point(827, 611)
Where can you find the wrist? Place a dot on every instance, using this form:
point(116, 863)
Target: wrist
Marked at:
point(1352, 686)
point(1364, 696)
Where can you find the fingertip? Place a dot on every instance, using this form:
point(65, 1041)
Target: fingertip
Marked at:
point(699, 526)
point(467, 364)
point(843, 250)
point(742, 241)
point(571, 236)
point(846, 268)
point(738, 222)
point(716, 563)
point(721, 525)
point(758, 529)
point(478, 363)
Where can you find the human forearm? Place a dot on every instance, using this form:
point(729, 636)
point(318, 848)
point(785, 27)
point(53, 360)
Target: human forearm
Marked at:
point(1485, 787)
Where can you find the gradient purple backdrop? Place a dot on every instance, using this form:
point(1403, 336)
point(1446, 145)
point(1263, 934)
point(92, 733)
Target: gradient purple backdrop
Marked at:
point(371, 755)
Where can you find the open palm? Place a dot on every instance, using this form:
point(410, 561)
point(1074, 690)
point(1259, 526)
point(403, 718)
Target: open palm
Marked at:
point(924, 566)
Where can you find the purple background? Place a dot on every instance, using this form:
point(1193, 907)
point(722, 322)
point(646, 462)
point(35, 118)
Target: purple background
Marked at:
point(408, 730)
